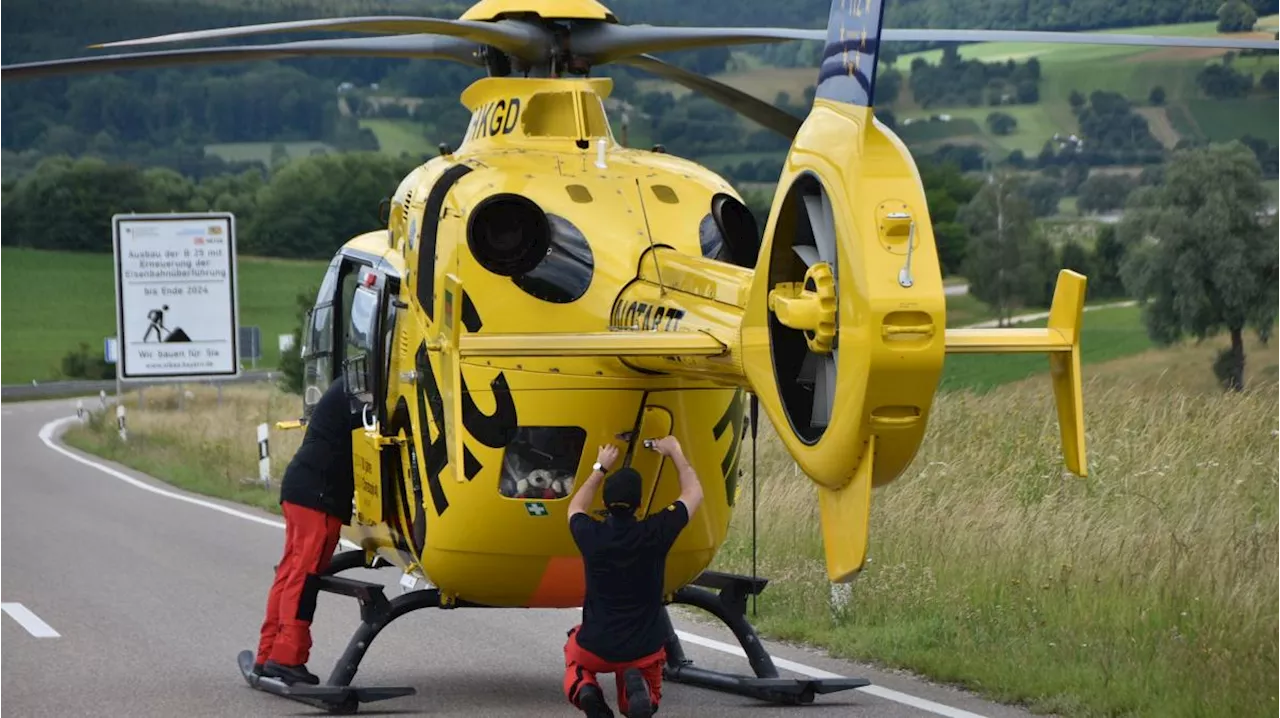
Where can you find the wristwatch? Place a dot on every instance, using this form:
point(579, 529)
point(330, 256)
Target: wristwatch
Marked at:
point(598, 467)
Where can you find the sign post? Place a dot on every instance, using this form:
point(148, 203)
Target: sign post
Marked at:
point(109, 354)
point(251, 345)
point(177, 310)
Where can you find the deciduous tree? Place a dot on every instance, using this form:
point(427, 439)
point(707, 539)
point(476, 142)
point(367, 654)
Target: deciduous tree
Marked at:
point(1009, 264)
point(1203, 256)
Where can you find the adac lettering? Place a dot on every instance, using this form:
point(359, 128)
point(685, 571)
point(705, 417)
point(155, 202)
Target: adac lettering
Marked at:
point(648, 317)
point(494, 118)
point(493, 430)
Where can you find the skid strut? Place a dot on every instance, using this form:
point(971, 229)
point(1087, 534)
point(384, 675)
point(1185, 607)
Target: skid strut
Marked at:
point(729, 605)
point(336, 694)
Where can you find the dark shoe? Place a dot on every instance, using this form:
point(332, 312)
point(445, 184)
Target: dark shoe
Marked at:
point(290, 674)
point(638, 703)
point(257, 669)
point(591, 701)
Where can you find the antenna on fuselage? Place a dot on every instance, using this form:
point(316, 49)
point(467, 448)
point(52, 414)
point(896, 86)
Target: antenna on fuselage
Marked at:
point(656, 267)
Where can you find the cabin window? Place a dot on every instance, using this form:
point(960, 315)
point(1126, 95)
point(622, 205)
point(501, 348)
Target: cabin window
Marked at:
point(564, 274)
point(541, 462)
point(317, 357)
point(711, 239)
point(729, 232)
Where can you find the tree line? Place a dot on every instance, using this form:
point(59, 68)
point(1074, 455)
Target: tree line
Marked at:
point(1196, 246)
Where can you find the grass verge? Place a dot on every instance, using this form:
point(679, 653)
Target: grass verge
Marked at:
point(1147, 589)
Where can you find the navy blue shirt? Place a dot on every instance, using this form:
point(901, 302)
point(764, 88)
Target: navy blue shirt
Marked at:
point(625, 561)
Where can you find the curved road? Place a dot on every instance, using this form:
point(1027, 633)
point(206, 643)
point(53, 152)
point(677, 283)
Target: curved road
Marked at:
point(151, 593)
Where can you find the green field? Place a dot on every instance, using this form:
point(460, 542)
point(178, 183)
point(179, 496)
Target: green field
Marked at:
point(41, 327)
point(401, 136)
point(262, 151)
point(1106, 334)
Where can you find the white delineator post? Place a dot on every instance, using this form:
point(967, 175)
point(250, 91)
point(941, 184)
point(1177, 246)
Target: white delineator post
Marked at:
point(124, 432)
point(264, 455)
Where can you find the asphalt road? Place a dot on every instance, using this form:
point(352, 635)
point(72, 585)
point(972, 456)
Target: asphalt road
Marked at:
point(152, 596)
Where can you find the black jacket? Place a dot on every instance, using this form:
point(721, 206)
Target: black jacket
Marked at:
point(320, 475)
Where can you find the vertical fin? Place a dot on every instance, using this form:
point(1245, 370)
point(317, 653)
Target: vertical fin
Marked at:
point(846, 518)
point(848, 71)
point(1065, 314)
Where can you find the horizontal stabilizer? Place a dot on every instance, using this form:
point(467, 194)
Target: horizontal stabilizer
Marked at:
point(1061, 340)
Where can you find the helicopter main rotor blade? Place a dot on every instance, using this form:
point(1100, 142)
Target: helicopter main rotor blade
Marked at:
point(418, 47)
point(773, 118)
point(1073, 38)
point(520, 39)
point(608, 42)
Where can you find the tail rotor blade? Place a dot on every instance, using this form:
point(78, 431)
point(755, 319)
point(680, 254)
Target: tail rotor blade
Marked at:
point(808, 254)
point(818, 208)
point(824, 391)
point(809, 369)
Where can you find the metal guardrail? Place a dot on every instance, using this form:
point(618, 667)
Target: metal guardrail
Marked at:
point(91, 387)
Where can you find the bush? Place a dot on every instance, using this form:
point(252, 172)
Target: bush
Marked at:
point(291, 361)
point(81, 364)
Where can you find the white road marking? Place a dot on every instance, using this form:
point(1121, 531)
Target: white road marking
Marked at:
point(46, 435)
point(29, 620)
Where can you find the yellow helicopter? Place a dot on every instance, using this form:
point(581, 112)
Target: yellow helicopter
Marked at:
point(541, 290)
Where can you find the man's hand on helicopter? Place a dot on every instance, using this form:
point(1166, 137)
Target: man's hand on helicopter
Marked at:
point(668, 446)
point(606, 456)
point(690, 488)
point(581, 501)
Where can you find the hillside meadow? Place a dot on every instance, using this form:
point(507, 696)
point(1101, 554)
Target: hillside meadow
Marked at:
point(1130, 71)
point(1146, 589)
point(53, 301)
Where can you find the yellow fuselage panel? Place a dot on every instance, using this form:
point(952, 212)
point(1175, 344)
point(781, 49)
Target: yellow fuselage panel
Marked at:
point(459, 527)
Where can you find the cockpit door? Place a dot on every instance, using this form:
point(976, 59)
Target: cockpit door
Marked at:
point(365, 366)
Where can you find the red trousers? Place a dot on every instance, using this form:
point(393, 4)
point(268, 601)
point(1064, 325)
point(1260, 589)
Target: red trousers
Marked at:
point(581, 667)
point(310, 537)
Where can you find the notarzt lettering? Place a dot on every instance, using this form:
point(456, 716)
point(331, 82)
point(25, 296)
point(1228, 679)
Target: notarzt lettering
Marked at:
point(649, 317)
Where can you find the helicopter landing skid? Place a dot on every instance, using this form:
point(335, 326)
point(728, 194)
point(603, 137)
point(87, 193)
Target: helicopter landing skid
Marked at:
point(337, 695)
point(335, 699)
point(729, 605)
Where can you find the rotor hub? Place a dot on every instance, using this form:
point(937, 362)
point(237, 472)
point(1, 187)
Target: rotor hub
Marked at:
point(809, 306)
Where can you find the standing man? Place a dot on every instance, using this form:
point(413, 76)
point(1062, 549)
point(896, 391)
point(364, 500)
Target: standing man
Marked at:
point(316, 496)
point(624, 630)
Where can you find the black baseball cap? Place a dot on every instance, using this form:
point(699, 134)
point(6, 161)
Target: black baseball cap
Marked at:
point(622, 491)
